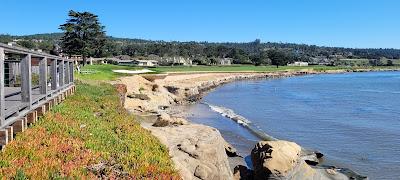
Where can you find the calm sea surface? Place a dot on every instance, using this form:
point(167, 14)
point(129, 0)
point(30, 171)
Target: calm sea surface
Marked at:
point(354, 119)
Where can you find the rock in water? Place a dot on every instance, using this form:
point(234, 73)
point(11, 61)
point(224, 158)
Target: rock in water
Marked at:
point(311, 157)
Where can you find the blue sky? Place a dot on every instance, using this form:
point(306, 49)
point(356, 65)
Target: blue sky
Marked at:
point(345, 23)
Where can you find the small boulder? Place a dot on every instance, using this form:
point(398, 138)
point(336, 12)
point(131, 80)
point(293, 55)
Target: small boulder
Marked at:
point(172, 89)
point(163, 107)
point(165, 119)
point(311, 157)
point(331, 171)
point(202, 172)
point(242, 173)
point(139, 96)
point(154, 87)
point(230, 150)
point(180, 121)
point(319, 154)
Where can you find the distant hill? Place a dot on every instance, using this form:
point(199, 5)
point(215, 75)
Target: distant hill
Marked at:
point(54, 37)
point(204, 52)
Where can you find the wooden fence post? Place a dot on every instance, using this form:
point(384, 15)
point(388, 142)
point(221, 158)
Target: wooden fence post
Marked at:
point(3, 137)
point(10, 130)
point(19, 125)
point(71, 71)
point(2, 100)
point(66, 77)
point(53, 69)
point(32, 117)
point(26, 80)
point(43, 76)
point(61, 74)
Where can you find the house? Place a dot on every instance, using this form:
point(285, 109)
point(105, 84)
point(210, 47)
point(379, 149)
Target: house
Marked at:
point(320, 59)
point(298, 64)
point(182, 61)
point(125, 62)
point(103, 60)
point(77, 59)
point(225, 61)
point(147, 63)
point(12, 44)
point(177, 61)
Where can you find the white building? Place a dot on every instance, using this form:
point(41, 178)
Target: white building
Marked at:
point(147, 63)
point(298, 64)
point(225, 61)
point(125, 62)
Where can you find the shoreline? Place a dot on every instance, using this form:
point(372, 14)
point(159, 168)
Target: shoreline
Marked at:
point(178, 89)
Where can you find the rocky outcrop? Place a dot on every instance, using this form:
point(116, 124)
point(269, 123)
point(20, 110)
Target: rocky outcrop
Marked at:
point(200, 152)
point(197, 151)
point(311, 157)
point(172, 89)
point(138, 96)
point(242, 173)
point(165, 119)
point(284, 160)
point(275, 159)
point(148, 96)
point(230, 150)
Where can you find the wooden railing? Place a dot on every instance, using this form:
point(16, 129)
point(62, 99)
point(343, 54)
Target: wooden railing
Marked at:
point(18, 102)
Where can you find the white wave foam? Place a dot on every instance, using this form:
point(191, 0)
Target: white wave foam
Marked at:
point(229, 113)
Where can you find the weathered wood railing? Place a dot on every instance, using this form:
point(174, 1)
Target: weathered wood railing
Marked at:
point(18, 102)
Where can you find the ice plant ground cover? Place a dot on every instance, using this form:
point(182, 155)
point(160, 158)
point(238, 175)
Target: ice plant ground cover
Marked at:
point(89, 135)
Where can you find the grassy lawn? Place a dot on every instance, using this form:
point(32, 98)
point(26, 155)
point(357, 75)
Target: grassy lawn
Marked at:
point(88, 128)
point(104, 72)
point(394, 61)
point(363, 62)
point(238, 68)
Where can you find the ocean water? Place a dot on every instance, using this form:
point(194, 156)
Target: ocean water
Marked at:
point(353, 119)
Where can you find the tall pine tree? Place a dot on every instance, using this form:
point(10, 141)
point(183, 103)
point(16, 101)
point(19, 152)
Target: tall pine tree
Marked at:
point(83, 35)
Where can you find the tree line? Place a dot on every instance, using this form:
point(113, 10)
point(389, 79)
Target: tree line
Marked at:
point(83, 34)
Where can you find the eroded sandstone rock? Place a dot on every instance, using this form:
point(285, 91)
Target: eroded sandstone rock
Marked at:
point(197, 151)
point(230, 150)
point(139, 96)
point(274, 158)
point(242, 173)
point(165, 119)
point(286, 160)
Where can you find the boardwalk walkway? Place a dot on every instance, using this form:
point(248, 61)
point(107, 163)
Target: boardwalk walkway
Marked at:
point(20, 106)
